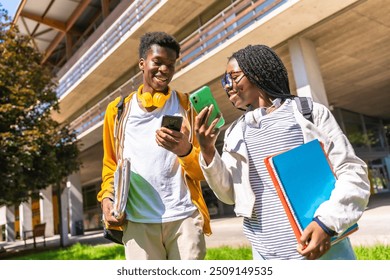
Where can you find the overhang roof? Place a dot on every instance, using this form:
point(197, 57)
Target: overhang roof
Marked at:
point(49, 22)
point(352, 47)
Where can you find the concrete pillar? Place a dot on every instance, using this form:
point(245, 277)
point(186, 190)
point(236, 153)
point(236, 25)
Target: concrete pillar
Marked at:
point(76, 213)
point(387, 166)
point(3, 221)
point(64, 216)
point(9, 221)
point(306, 70)
point(25, 217)
point(46, 206)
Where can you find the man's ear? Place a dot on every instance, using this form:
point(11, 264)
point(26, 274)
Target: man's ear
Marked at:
point(141, 64)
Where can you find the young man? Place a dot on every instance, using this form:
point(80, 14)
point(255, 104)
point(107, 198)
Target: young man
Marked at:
point(166, 216)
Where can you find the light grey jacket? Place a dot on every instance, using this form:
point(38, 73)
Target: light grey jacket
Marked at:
point(228, 175)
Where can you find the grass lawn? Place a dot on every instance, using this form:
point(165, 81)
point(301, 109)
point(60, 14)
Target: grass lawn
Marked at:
point(116, 252)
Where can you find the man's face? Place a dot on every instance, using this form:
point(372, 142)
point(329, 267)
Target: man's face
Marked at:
point(158, 68)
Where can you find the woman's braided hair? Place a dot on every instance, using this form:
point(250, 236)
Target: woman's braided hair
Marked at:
point(262, 66)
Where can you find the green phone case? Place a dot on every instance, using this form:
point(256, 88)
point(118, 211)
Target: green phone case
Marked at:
point(202, 98)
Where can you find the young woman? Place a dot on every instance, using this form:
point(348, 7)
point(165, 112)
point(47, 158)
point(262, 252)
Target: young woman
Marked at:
point(256, 79)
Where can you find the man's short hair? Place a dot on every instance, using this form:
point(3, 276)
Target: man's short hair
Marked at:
point(157, 38)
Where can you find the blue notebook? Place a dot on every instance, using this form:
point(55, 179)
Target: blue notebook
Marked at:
point(303, 179)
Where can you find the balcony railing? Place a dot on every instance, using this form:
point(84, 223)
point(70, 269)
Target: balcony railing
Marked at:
point(224, 26)
point(227, 24)
point(134, 14)
point(96, 113)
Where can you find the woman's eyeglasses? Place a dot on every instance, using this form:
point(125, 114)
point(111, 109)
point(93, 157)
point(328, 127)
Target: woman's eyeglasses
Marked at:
point(227, 80)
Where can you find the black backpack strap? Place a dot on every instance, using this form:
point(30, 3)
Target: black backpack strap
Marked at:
point(120, 107)
point(305, 106)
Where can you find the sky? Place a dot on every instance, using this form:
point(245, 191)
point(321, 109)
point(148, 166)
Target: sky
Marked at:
point(10, 6)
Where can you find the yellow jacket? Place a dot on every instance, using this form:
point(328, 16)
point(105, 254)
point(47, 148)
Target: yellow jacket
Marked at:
point(190, 163)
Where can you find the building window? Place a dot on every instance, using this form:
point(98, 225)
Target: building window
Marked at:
point(354, 129)
point(92, 211)
point(89, 197)
point(375, 133)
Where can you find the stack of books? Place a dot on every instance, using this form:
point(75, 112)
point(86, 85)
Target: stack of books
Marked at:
point(303, 179)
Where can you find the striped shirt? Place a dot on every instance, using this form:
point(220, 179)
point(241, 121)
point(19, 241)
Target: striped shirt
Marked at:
point(268, 229)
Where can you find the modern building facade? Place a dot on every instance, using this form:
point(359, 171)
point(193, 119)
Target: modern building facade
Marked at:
point(336, 51)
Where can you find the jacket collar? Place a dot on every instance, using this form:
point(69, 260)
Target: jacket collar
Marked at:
point(234, 138)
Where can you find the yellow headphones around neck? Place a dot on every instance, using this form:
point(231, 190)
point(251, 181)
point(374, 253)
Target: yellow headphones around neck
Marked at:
point(158, 99)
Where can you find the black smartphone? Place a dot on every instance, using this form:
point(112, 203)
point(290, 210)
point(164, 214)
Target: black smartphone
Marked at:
point(172, 122)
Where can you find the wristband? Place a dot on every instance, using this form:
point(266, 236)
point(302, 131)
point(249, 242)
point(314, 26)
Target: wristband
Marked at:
point(327, 230)
point(189, 152)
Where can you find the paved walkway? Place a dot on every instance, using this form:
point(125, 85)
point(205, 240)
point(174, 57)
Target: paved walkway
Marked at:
point(374, 228)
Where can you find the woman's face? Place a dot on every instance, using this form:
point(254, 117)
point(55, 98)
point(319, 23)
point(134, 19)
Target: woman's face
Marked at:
point(240, 90)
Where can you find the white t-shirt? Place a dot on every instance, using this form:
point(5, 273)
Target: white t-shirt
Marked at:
point(157, 192)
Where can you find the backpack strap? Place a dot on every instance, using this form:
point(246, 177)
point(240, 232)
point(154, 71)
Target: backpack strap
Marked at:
point(120, 107)
point(305, 106)
point(120, 124)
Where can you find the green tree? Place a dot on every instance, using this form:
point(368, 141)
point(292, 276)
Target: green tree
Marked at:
point(35, 150)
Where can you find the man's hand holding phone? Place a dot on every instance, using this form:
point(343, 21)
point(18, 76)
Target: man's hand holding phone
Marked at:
point(173, 136)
